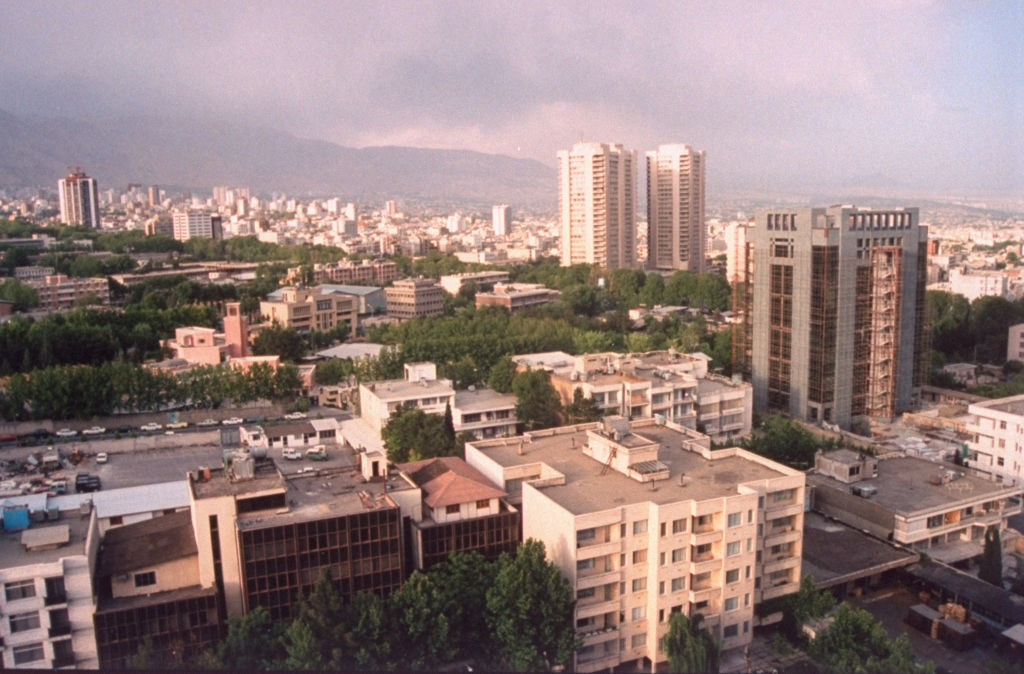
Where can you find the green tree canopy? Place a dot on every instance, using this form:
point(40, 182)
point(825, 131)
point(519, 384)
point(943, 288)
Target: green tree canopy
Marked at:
point(689, 646)
point(537, 402)
point(857, 642)
point(991, 569)
point(412, 434)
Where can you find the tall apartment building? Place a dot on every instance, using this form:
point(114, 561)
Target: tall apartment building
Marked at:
point(79, 200)
point(675, 208)
point(831, 312)
point(501, 219)
point(597, 202)
point(644, 520)
point(190, 224)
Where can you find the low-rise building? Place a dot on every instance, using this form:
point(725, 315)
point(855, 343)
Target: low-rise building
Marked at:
point(1015, 342)
point(420, 388)
point(996, 437)
point(484, 413)
point(376, 272)
point(414, 298)
point(513, 296)
point(304, 310)
point(645, 520)
point(59, 292)
point(483, 280)
point(461, 512)
point(369, 299)
point(938, 508)
point(973, 285)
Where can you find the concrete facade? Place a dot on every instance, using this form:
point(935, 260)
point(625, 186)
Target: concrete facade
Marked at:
point(675, 208)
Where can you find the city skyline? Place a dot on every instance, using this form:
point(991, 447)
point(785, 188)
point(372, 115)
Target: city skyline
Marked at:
point(781, 97)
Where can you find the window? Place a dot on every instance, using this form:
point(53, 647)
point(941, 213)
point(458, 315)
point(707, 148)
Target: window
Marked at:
point(661, 587)
point(20, 589)
point(639, 527)
point(731, 603)
point(639, 556)
point(678, 555)
point(24, 621)
point(639, 613)
point(750, 516)
point(678, 526)
point(144, 579)
point(730, 631)
point(638, 640)
point(452, 509)
point(483, 503)
point(27, 653)
point(934, 521)
point(584, 535)
point(639, 584)
point(784, 495)
point(732, 548)
point(116, 520)
point(661, 559)
point(585, 593)
point(735, 519)
point(662, 529)
point(678, 584)
point(732, 576)
point(584, 564)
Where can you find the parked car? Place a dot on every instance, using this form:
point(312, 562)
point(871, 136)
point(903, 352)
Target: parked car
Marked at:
point(233, 421)
point(102, 457)
point(178, 424)
point(66, 433)
point(124, 429)
point(84, 482)
point(318, 453)
point(207, 422)
point(94, 430)
point(295, 415)
point(307, 469)
point(151, 427)
point(291, 454)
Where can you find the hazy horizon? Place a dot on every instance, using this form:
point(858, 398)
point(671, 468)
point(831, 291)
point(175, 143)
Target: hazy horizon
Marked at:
point(912, 94)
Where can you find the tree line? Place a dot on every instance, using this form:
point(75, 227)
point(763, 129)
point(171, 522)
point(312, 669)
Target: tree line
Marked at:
point(515, 613)
point(85, 391)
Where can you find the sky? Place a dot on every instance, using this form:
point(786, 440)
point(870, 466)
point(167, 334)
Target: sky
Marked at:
point(908, 93)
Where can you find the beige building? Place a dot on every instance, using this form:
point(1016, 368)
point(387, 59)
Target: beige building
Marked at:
point(938, 508)
point(414, 298)
point(420, 388)
point(513, 296)
point(483, 280)
point(58, 292)
point(305, 310)
point(645, 520)
point(597, 203)
point(376, 272)
point(675, 208)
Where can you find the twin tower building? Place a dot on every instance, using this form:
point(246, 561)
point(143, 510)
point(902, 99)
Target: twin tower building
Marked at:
point(829, 317)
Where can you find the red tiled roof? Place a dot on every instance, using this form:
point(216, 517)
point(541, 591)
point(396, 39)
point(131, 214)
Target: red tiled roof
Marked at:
point(449, 480)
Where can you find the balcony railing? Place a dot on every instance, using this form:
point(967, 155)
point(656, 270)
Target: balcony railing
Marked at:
point(64, 660)
point(60, 630)
point(55, 598)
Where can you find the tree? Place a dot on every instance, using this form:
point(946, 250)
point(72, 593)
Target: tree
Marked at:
point(581, 409)
point(462, 582)
point(809, 603)
point(689, 646)
point(315, 637)
point(857, 642)
point(251, 643)
point(783, 440)
point(283, 342)
point(426, 640)
point(530, 611)
point(448, 427)
point(20, 294)
point(502, 373)
point(537, 403)
point(412, 434)
point(991, 569)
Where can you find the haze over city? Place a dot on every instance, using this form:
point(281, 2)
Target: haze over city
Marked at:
point(910, 96)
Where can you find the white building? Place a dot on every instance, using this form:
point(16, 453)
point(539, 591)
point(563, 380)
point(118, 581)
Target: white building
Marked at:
point(421, 388)
point(1015, 342)
point(597, 203)
point(191, 224)
point(645, 520)
point(997, 437)
point(501, 219)
point(675, 208)
point(79, 200)
point(973, 285)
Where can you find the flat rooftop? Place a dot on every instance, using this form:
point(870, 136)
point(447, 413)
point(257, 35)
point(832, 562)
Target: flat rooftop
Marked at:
point(706, 386)
point(1011, 405)
point(396, 389)
point(834, 553)
point(482, 400)
point(587, 490)
point(903, 485)
point(13, 553)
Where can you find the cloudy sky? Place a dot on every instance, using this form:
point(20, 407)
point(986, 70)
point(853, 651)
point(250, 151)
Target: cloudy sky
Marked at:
point(927, 95)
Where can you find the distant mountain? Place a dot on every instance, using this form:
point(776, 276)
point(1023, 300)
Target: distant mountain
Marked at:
point(180, 153)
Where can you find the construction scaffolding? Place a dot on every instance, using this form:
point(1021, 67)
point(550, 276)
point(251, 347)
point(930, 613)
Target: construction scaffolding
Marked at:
point(886, 273)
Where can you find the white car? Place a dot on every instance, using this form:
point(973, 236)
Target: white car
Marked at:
point(150, 427)
point(66, 433)
point(178, 424)
point(233, 421)
point(295, 415)
point(102, 457)
point(307, 469)
point(95, 430)
point(291, 454)
point(207, 422)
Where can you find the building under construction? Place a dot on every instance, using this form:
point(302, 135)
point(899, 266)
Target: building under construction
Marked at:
point(831, 309)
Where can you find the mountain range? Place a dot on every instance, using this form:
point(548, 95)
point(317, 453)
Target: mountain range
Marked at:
point(37, 151)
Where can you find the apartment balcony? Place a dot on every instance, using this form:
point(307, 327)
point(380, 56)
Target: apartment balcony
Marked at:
point(597, 577)
point(60, 630)
point(599, 607)
point(596, 635)
point(64, 660)
point(587, 549)
point(708, 563)
point(705, 535)
point(781, 536)
point(780, 562)
point(779, 589)
point(783, 510)
point(56, 598)
point(605, 660)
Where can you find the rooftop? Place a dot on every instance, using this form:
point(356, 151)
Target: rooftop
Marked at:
point(904, 485)
point(586, 489)
point(143, 544)
point(327, 288)
point(834, 553)
point(397, 389)
point(449, 481)
point(353, 351)
point(13, 553)
point(1011, 405)
point(482, 399)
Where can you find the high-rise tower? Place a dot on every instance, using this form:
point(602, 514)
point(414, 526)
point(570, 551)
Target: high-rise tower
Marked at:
point(675, 208)
point(596, 198)
point(501, 219)
point(79, 200)
point(831, 309)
